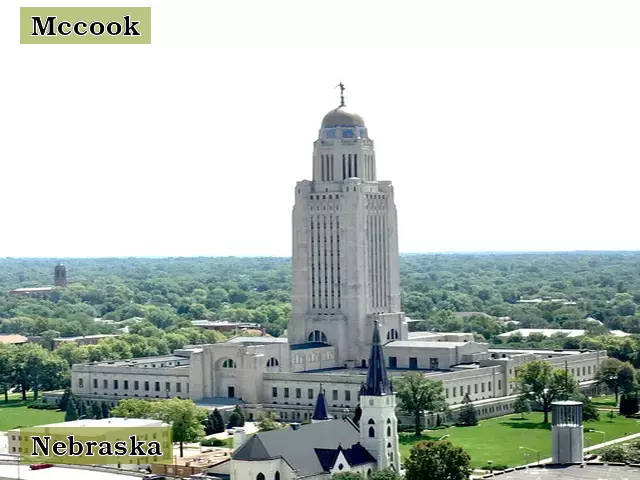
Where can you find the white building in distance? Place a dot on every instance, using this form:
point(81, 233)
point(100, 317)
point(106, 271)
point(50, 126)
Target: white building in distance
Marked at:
point(345, 279)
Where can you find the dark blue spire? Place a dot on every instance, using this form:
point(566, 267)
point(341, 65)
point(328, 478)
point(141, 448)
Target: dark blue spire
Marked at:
point(377, 381)
point(321, 412)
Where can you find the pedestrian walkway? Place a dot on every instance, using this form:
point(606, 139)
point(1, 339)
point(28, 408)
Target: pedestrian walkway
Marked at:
point(597, 446)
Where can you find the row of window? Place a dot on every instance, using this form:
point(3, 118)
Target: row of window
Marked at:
point(312, 358)
point(461, 389)
point(136, 385)
point(310, 394)
point(326, 287)
point(586, 370)
point(434, 363)
point(378, 261)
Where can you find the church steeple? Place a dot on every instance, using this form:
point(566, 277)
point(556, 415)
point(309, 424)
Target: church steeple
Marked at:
point(321, 412)
point(377, 380)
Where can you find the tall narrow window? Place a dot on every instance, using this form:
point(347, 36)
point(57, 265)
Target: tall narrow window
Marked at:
point(344, 166)
point(350, 167)
point(355, 164)
point(322, 168)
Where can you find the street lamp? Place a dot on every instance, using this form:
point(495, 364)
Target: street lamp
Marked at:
point(531, 449)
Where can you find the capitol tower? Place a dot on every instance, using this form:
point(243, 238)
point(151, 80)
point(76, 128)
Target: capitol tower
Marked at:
point(345, 245)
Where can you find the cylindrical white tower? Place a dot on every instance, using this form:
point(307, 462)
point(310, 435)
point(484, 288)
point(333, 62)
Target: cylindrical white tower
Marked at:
point(567, 432)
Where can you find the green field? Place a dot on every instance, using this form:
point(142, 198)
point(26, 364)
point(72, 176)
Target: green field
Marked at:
point(16, 414)
point(605, 401)
point(498, 439)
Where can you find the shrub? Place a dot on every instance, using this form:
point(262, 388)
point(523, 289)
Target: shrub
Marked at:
point(213, 442)
point(614, 453)
point(42, 405)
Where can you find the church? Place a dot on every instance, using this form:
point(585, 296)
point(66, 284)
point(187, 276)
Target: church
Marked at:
point(327, 446)
point(346, 292)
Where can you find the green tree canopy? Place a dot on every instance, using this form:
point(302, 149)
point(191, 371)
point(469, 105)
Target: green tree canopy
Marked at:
point(541, 383)
point(439, 460)
point(418, 394)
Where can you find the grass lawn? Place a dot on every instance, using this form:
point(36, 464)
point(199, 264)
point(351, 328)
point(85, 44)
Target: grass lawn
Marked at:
point(604, 401)
point(16, 414)
point(498, 439)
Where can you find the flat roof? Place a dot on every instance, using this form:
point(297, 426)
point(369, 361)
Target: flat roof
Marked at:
point(60, 473)
point(257, 340)
point(143, 361)
point(72, 339)
point(574, 472)
point(13, 339)
point(105, 422)
point(419, 344)
point(533, 350)
point(31, 289)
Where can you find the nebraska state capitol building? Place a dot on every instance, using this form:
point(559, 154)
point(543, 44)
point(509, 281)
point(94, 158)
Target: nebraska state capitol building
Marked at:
point(345, 278)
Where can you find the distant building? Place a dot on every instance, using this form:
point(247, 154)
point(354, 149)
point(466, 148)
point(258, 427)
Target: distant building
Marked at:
point(35, 292)
point(536, 301)
point(13, 339)
point(60, 280)
point(60, 275)
point(85, 340)
point(547, 332)
point(115, 422)
point(471, 314)
point(225, 326)
point(327, 446)
point(345, 281)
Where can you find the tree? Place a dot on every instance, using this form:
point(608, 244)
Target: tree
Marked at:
point(589, 410)
point(268, 421)
point(135, 408)
point(96, 411)
point(418, 394)
point(213, 423)
point(104, 407)
point(609, 374)
point(628, 405)
point(539, 382)
point(357, 415)
point(347, 476)
point(467, 416)
point(522, 405)
point(71, 413)
point(439, 460)
point(385, 474)
point(218, 421)
point(185, 418)
point(236, 419)
point(7, 371)
point(64, 400)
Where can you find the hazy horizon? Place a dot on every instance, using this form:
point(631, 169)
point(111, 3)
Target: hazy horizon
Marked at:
point(490, 252)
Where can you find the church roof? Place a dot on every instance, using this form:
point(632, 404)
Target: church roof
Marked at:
point(340, 117)
point(309, 449)
point(356, 455)
point(377, 380)
point(321, 411)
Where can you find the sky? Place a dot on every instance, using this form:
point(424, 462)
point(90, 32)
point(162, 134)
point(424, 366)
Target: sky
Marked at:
point(503, 125)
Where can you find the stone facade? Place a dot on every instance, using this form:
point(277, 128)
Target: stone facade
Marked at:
point(345, 279)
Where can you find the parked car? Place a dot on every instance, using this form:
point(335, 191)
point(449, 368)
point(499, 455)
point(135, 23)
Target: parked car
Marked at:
point(154, 477)
point(40, 466)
